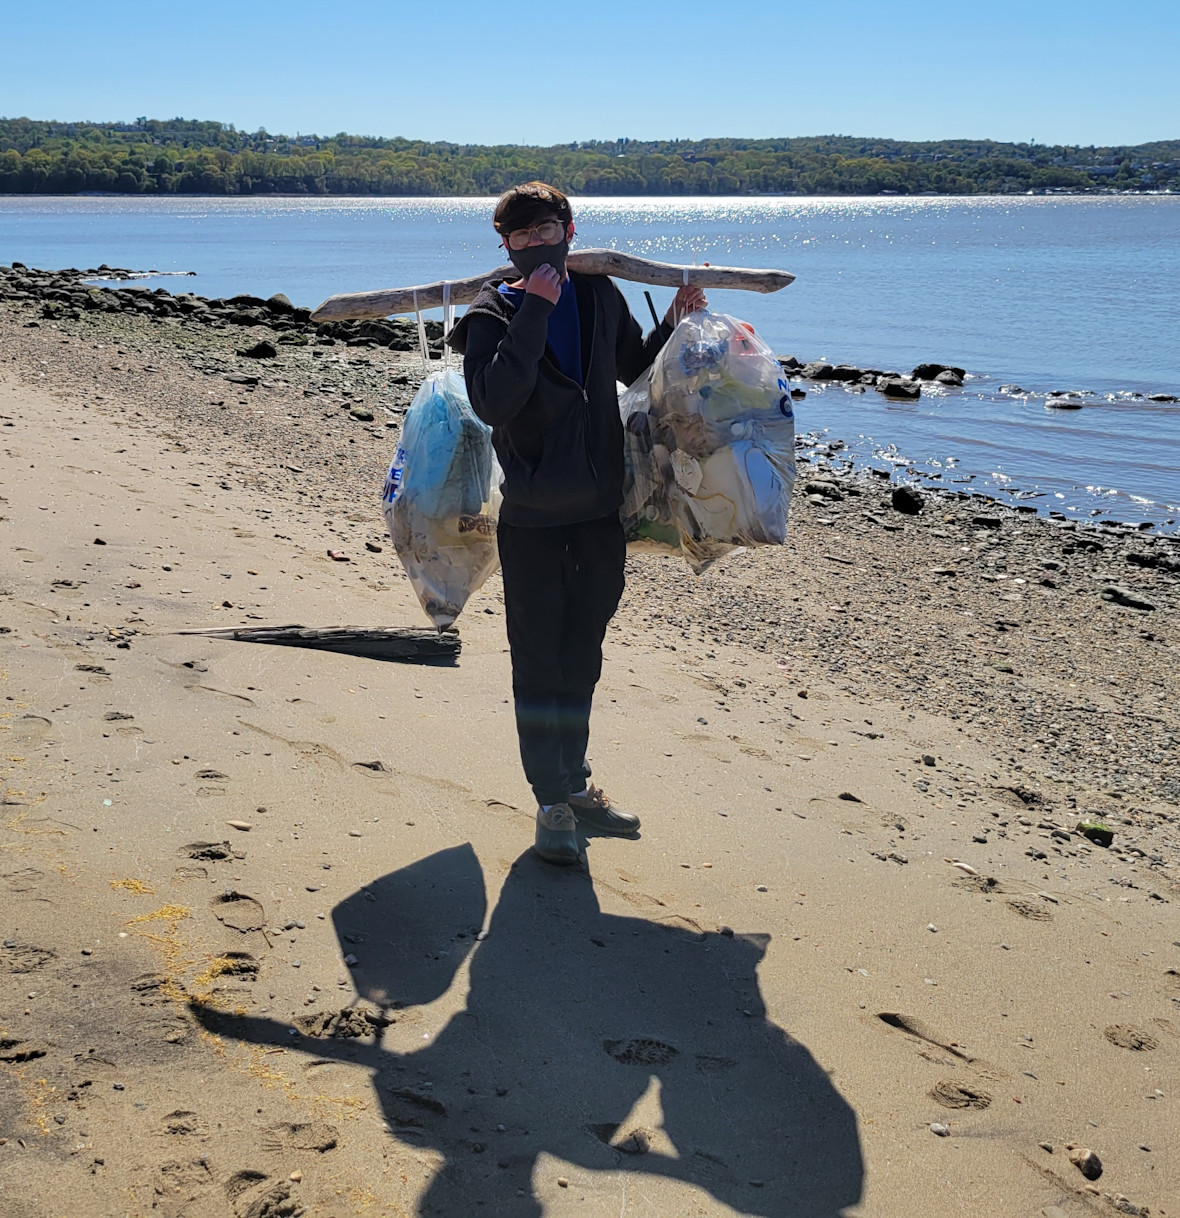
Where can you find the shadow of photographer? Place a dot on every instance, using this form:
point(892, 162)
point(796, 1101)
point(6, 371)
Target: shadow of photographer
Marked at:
point(613, 1043)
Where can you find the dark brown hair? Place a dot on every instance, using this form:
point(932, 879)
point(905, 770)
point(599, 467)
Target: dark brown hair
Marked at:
point(525, 205)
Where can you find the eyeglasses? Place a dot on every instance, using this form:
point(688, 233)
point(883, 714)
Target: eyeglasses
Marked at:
point(549, 231)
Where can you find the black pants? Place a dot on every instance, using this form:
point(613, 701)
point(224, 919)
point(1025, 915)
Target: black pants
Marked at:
point(562, 585)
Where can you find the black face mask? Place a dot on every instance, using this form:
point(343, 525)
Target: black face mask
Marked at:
point(528, 259)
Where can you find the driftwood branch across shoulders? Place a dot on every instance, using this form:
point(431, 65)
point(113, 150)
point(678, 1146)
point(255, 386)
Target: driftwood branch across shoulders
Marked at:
point(362, 305)
point(406, 645)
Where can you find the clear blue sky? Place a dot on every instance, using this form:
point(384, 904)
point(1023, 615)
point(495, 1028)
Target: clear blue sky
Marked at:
point(541, 72)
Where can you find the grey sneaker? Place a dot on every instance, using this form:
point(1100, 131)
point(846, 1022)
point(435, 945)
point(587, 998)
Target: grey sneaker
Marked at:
point(595, 810)
point(557, 834)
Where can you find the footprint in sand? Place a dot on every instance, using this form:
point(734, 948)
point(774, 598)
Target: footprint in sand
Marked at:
point(171, 1028)
point(986, 884)
point(343, 1024)
point(253, 1194)
point(183, 1123)
point(710, 1168)
point(240, 1181)
point(1030, 909)
point(24, 958)
point(960, 1095)
point(125, 726)
point(317, 1136)
point(239, 912)
point(208, 852)
point(238, 964)
point(24, 880)
point(185, 1177)
point(640, 1051)
point(148, 989)
point(30, 729)
point(705, 1064)
point(1127, 1037)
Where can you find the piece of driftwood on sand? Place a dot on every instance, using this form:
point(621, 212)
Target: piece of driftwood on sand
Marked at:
point(371, 305)
point(405, 645)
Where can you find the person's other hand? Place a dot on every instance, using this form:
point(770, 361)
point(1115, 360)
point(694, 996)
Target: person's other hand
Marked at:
point(544, 282)
point(688, 299)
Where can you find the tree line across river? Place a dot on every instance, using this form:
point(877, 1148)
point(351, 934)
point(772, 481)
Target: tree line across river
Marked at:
point(188, 156)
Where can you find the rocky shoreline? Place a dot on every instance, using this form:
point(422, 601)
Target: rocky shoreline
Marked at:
point(66, 294)
point(947, 376)
point(69, 293)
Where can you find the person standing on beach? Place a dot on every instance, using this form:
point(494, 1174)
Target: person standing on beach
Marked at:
point(541, 357)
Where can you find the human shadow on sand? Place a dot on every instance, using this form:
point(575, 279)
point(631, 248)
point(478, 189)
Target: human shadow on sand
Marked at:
point(572, 1016)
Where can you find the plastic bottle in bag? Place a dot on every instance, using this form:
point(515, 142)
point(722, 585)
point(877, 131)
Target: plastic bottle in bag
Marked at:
point(441, 498)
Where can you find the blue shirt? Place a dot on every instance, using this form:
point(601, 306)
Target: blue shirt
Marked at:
point(565, 331)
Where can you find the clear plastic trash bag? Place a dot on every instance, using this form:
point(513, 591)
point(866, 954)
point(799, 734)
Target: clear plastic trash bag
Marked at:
point(709, 444)
point(442, 498)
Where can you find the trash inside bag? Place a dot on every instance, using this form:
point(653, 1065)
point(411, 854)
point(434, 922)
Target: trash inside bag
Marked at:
point(442, 498)
point(709, 435)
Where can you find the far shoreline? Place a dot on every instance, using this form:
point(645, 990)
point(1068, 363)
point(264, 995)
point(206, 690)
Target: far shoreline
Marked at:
point(1022, 194)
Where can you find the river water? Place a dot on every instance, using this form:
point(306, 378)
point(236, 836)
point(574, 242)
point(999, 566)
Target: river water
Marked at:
point(1046, 292)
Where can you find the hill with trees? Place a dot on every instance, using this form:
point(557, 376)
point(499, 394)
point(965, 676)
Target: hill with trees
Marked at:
point(189, 156)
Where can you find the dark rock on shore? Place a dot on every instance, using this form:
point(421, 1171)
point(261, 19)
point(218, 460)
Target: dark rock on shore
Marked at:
point(1126, 598)
point(189, 304)
point(817, 371)
point(899, 387)
point(1158, 562)
point(907, 500)
point(824, 488)
point(932, 372)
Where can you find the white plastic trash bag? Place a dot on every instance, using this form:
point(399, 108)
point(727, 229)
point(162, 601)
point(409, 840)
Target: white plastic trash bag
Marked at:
point(709, 443)
point(442, 498)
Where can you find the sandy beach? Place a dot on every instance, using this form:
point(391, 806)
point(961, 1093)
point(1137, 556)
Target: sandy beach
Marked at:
point(273, 938)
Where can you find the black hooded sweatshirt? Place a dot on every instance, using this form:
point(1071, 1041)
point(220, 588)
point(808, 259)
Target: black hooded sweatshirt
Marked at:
point(560, 444)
